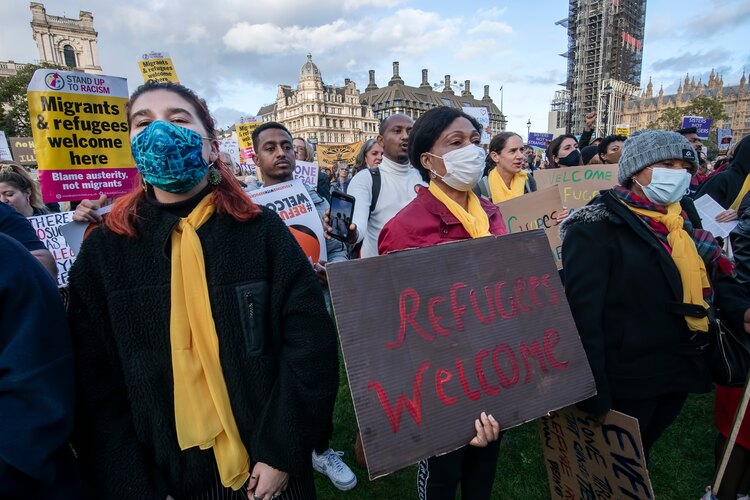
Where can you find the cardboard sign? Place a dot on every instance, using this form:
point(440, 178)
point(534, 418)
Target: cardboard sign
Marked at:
point(245, 138)
point(307, 172)
point(622, 129)
point(539, 140)
point(293, 204)
point(536, 211)
point(724, 139)
point(157, 67)
point(230, 147)
point(48, 230)
point(578, 185)
point(80, 134)
point(450, 331)
point(4, 149)
point(703, 125)
point(586, 460)
point(23, 150)
point(481, 115)
point(328, 155)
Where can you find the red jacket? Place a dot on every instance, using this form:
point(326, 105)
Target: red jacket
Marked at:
point(426, 221)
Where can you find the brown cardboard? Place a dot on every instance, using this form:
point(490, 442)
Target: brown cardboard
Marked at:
point(537, 210)
point(587, 460)
point(578, 185)
point(23, 150)
point(528, 333)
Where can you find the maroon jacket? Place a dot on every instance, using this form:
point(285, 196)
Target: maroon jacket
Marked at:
point(426, 221)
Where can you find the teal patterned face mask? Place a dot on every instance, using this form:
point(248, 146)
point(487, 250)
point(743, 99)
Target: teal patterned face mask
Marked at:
point(170, 157)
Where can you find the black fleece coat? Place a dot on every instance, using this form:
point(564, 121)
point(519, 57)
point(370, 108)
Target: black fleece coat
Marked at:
point(725, 186)
point(625, 293)
point(277, 349)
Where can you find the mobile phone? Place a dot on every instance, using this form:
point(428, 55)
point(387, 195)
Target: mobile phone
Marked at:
point(342, 211)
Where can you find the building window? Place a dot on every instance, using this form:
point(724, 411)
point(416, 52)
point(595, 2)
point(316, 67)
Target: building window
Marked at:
point(70, 56)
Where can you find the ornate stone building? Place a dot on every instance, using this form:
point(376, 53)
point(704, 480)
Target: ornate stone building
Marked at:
point(62, 41)
point(736, 99)
point(322, 113)
point(397, 97)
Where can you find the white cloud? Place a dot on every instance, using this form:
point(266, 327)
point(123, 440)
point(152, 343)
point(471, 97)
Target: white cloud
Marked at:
point(486, 26)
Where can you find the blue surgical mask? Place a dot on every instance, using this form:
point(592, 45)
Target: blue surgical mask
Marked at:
point(572, 160)
point(667, 185)
point(170, 157)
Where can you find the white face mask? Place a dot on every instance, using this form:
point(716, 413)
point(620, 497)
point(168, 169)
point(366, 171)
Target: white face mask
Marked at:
point(463, 167)
point(667, 185)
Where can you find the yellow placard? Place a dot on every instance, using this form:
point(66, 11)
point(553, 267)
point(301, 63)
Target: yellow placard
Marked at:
point(245, 140)
point(622, 129)
point(157, 67)
point(328, 155)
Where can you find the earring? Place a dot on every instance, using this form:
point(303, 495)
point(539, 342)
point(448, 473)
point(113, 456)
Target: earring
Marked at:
point(214, 175)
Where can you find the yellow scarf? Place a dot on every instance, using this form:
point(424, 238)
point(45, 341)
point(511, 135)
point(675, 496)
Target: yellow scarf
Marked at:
point(203, 413)
point(475, 221)
point(743, 191)
point(500, 192)
point(690, 265)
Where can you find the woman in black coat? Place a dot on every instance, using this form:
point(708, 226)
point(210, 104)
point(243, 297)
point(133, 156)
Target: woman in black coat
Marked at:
point(641, 322)
point(731, 185)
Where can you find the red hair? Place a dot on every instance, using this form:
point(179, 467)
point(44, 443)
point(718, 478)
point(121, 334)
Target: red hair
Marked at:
point(229, 198)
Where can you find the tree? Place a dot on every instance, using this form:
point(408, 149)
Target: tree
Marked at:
point(14, 112)
point(707, 107)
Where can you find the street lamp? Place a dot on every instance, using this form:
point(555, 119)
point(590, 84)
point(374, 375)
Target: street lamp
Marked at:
point(528, 129)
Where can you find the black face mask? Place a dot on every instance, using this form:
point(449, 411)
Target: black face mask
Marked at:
point(572, 160)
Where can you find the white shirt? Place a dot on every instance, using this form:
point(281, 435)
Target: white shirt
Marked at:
point(397, 189)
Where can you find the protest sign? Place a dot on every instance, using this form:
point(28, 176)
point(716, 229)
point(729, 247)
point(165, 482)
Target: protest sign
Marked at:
point(578, 185)
point(587, 460)
point(4, 149)
point(23, 150)
point(157, 67)
point(622, 129)
point(539, 140)
point(245, 140)
point(454, 330)
point(702, 125)
point(80, 134)
point(537, 210)
point(328, 155)
point(307, 172)
point(724, 139)
point(230, 147)
point(481, 115)
point(291, 201)
point(48, 230)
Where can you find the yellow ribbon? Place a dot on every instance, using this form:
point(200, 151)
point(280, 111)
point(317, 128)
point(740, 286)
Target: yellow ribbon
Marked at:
point(690, 265)
point(743, 191)
point(203, 413)
point(500, 191)
point(475, 220)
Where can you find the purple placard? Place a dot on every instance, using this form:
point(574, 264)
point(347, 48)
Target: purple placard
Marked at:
point(539, 140)
point(703, 125)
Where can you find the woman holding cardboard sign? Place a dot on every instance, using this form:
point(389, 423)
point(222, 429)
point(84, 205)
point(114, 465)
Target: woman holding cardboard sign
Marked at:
point(204, 368)
point(444, 148)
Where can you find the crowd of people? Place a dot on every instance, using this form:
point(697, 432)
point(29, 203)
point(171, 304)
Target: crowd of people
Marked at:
point(174, 373)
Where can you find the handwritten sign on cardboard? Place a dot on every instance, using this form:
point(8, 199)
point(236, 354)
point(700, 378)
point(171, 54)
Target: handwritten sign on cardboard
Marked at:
point(537, 210)
point(586, 460)
point(450, 331)
point(578, 185)
point(48, 229)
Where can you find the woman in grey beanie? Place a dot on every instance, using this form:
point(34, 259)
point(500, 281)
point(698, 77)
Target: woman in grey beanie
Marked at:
point(640, 277)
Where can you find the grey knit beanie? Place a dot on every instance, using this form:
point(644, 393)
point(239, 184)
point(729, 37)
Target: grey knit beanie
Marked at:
point(647, 147)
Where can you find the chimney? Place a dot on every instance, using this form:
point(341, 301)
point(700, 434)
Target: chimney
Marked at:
point(467, 89)
point(395, 78)
point(425, 81)
point(487, 94)
point(447, 89)
point(372, 85)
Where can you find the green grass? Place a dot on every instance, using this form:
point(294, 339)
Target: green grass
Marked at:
point(682, 460)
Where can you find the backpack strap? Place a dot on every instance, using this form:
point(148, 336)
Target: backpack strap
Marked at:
point(376, 182)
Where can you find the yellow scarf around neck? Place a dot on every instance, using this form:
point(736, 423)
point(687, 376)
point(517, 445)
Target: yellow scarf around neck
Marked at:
point(203, 413)
point(475, 220)
point(690, 265)
point(500, 192)
point(743, 191)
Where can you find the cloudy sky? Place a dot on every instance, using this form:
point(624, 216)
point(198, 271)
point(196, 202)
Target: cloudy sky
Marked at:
point(234, 53)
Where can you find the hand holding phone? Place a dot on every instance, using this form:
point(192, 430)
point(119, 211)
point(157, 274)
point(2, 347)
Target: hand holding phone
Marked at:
point(341, 213)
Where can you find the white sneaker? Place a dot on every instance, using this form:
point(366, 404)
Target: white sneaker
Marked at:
point(330, 464)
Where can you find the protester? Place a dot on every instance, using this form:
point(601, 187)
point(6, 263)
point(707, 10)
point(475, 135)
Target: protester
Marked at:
point(20, 191)
point(730, 186)
point(342, 177)
point(206, 360)
point(303, 151)
point(610, 149)
point(503, 177)
point(563, 152)
point(398, 183)
point(444, 149)
point(370, 156)
point(16, 226)
point(691, 134)
point(590, 156)
point(627, 257)
point(588, 131)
